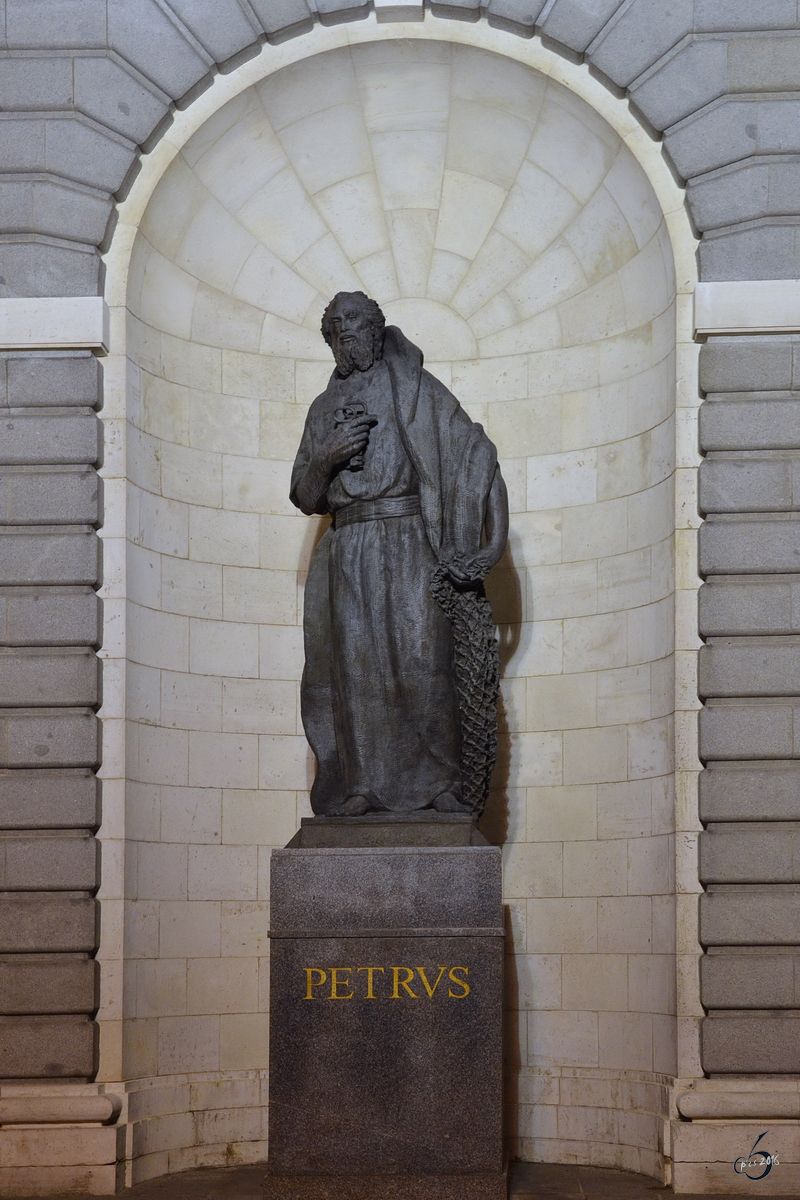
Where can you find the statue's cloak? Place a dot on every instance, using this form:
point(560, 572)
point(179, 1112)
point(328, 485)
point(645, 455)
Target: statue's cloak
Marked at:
point(454, 463)
point(454, 460)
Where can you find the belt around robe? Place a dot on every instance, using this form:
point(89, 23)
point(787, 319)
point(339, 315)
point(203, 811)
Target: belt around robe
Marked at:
point(376, 510)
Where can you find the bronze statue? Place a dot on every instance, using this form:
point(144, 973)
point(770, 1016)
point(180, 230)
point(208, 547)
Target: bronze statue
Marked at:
point(399, 692)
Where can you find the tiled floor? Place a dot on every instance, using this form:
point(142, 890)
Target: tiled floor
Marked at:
point(526, 1181)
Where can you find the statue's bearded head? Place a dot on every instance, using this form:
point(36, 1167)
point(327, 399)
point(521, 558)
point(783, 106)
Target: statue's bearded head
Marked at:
point(353, 326)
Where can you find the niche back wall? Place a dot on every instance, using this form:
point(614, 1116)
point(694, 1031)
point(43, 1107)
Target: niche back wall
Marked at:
point(509, 231)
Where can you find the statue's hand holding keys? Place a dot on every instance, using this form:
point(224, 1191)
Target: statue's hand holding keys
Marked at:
point(351, 435)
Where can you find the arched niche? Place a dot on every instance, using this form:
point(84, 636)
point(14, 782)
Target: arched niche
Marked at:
point(511, 232)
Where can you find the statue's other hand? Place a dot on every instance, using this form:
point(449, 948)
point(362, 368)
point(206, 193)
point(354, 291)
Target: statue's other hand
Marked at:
point(469, 568)
point(348, 438)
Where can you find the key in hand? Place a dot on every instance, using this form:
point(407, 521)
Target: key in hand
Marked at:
point(347, 413)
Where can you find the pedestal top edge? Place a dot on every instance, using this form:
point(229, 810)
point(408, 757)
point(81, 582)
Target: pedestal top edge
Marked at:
point(483, 931)
point(414, 817)
point(373, 850)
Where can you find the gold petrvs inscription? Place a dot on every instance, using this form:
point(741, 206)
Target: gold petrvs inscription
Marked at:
point(381, 983)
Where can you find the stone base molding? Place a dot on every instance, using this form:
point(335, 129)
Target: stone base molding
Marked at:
point(45, 1109)
point(58, 1138)
point(704, 1104)
point(720, 1131)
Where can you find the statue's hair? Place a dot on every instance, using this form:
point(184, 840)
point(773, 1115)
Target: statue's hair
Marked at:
point(372, 309)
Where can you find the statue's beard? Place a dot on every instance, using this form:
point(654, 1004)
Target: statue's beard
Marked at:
point(358, 355)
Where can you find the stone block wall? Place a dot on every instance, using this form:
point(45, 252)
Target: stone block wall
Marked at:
point(749, 680)
point(50, 688)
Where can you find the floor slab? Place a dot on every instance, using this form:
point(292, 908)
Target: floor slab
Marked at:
point(527, 1180)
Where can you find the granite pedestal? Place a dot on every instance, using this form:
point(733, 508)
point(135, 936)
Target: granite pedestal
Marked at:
point(386, 1012)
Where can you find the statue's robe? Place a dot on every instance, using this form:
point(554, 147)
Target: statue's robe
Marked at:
point(379, 700)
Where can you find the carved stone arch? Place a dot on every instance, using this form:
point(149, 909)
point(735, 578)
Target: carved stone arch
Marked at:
point(698, 79)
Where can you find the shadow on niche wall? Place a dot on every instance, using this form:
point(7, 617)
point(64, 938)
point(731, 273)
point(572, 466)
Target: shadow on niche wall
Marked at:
point(505, 595)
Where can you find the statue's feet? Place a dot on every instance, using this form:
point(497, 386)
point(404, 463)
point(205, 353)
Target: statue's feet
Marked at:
point(447, 803)
point(353, 806)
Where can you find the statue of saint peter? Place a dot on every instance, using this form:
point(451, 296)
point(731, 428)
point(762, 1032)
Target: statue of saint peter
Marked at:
point(399, 691)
